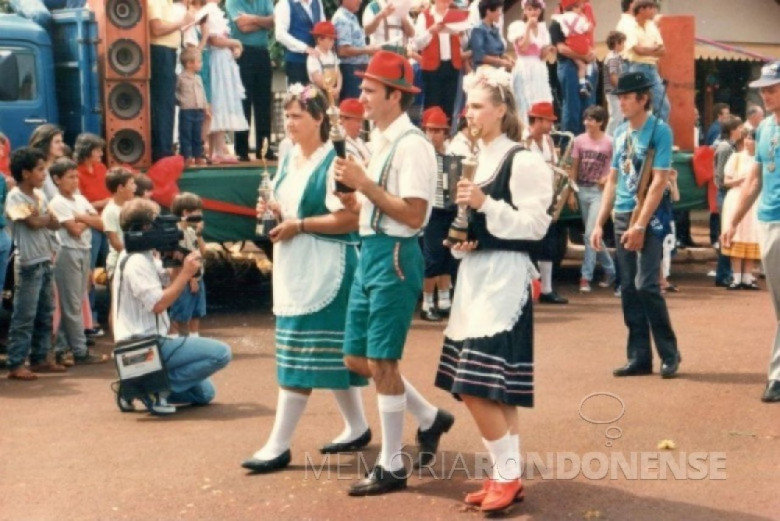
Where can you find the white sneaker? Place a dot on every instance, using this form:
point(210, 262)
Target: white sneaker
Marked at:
point(584, 286)
point(157, 404)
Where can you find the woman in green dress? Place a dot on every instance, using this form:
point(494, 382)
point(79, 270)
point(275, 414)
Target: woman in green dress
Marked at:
point(315, 255)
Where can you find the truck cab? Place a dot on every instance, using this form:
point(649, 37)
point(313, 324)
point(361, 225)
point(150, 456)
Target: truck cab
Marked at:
point(27, 92)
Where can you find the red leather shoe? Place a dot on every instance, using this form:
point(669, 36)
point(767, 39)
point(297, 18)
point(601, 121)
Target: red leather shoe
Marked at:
point(476, 498)
point(502, 495)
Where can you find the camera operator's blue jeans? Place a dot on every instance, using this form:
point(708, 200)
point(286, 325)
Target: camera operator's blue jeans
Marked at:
point(661, 105)
point(190, 361)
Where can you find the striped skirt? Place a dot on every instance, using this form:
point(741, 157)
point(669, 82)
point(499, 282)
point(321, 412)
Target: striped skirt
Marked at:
point(498, 368)
point(309, 348)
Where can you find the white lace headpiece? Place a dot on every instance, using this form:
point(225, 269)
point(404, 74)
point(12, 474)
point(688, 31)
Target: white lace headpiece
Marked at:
point(487, 76)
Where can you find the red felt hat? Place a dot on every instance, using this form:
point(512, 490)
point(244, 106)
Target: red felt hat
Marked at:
point(565, 4)
point(326, 29)
point(434, 117)
point(543, 110)
point(351, 107)
point(390, 69)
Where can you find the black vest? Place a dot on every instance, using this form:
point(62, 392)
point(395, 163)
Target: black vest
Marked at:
point(498, 188)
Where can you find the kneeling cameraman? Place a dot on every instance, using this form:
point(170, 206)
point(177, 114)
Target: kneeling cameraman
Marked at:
point(139, 308)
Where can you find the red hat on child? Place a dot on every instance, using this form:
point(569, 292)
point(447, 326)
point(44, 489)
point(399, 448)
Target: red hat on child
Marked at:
point(390, 69)
point(542, 110)
point(565, 4)
point(326, 29)
point(351, 107)
point(434, 117)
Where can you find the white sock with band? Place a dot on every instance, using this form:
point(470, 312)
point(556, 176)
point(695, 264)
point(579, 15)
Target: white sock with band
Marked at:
point(391, 414)
point(350, 404)
point(289, 408)
point(444, 298)
point(427, 301)
point(503, 451)
point(419, 407)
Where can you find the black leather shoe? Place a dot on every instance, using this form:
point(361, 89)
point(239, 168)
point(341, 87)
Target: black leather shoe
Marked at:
point(244, 159)
point(552, 298)
point(631, 369)
point(428, 440)
point(379, 481)
point(443, 312)
point(430, 315)
point(348, 446)
point(670, 370)
point(271, 156)
point(261, 466)
point(772, 392)
point(722, 283)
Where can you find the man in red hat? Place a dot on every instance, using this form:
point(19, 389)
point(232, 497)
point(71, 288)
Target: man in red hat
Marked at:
point(351, 119)
point(540, 123)
point(393, 199)
point(439, 262)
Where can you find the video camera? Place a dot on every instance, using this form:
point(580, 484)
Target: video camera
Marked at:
point(163, 235)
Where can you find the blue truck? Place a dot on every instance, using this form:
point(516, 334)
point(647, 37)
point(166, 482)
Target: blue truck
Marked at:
point(49, 77)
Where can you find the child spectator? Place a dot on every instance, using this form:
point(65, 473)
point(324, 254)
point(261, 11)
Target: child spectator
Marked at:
point(121, 183)
point(143, 186)
point(323, 67)
point(592, 156)
point(92, 185)
point(5, 184)
point(744, 251)
point(31, 227)
point(192, 107)
point(76, 217)
point(190, 306)
point(5, 158)
point(576, 28)
point(613, 67)
point(48, 139)
point(670, 241)
point(227, 91)
point(197, 36)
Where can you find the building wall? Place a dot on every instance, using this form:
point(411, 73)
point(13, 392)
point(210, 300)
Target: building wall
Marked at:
point(714, 18)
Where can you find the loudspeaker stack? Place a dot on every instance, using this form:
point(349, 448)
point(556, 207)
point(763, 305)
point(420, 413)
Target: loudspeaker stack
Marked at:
point(126, 92)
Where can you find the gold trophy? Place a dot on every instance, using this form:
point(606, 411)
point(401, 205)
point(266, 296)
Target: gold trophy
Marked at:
point(459, 229)
point(267, 221)
point(337, 136)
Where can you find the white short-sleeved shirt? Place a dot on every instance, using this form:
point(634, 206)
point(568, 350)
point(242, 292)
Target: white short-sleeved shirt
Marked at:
point(643, 36)
point(142, 288)
point(314, 65)
point(412, 174)
point(65, 209)
point(110, 217)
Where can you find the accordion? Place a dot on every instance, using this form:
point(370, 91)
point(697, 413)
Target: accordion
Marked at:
point(449, 172)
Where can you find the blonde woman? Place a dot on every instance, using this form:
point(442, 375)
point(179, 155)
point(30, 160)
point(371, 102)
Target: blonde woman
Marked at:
point(487, 358)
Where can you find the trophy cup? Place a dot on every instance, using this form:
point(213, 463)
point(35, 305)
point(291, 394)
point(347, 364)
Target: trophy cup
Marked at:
point(460, 226)
point(337, 136)
point(267, 221)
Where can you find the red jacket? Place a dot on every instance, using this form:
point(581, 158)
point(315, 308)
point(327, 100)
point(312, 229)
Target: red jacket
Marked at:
point(92, 185)
point(431, 55)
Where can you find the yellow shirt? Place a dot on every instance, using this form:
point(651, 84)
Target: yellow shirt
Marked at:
point(166, 11)
point(643, 36)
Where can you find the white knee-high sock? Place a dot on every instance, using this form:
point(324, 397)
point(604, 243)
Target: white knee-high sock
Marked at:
point(391, 413)
point(545, 269)
point(350, 404)
point(420, 408)
point(518, 457)
point(289, 409)
point(503, 450)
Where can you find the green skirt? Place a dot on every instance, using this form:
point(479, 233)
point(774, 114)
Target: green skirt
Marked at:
point(310, 348)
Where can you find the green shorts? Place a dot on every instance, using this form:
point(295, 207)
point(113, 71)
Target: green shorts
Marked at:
point(383, 297)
